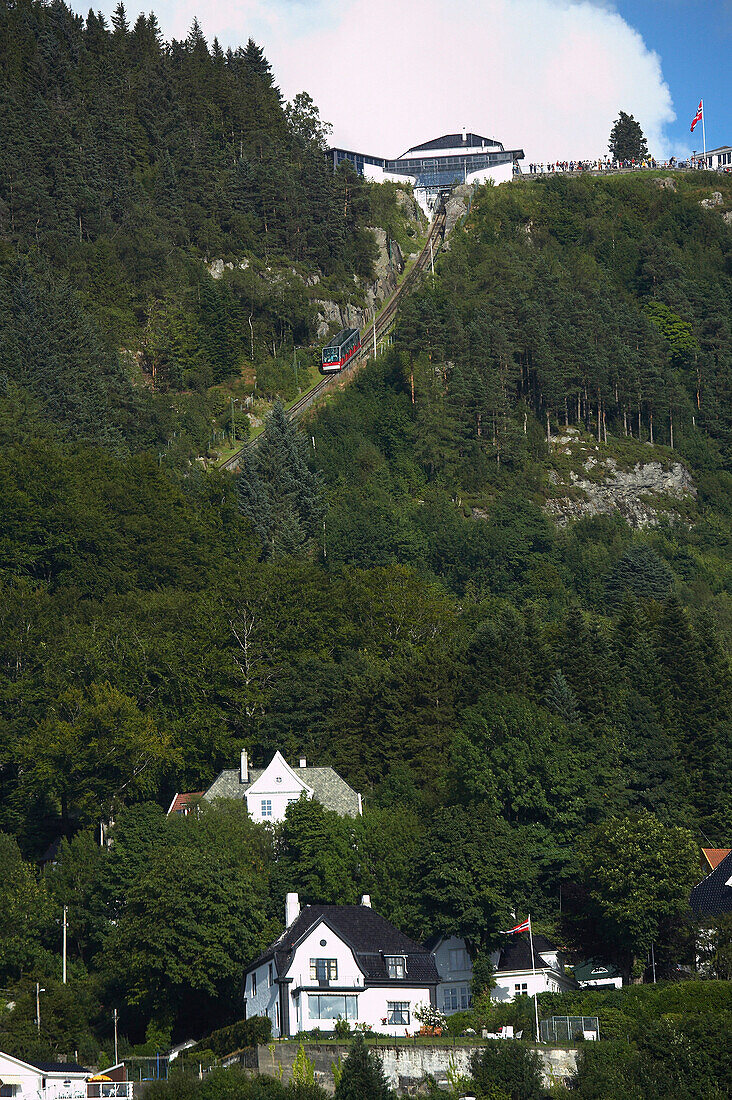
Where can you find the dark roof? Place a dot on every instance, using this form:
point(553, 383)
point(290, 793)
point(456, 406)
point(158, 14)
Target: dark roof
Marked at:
point(368, 934)
point(592, 970)
point(516, 953)
point(454, 141)
point(328, 787)
point(713, 895)
point(59, 1067)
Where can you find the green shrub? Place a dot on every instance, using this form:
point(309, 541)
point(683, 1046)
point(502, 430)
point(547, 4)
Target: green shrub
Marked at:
point(256, 1031)
point(515, 1068)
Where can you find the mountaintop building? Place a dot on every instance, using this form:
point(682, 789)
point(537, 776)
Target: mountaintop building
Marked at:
point(436, 166)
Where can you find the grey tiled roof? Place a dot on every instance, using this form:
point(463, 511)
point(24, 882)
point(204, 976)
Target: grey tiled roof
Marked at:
point(328, 787)
point(453, 141)
point(713, 896)
point(370, 936)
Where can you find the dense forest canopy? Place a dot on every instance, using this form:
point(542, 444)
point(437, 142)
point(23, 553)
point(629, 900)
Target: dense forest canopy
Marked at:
point(522, 706)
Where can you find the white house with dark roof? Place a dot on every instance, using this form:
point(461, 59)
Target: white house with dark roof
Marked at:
point(339, 961)
point(47, 1080)
point(269, 791)
point(513, 971)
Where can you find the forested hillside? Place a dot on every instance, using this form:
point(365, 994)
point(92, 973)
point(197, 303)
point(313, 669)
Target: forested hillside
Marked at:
point(127, 166)
point(538, 718)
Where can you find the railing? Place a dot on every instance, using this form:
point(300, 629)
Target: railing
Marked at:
point(343, 981)
point(103, 1090)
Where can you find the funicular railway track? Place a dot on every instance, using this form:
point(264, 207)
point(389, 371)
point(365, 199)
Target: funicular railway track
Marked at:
point(432, 245)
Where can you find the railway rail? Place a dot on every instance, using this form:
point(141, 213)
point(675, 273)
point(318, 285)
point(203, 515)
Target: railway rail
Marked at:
point(383, 324)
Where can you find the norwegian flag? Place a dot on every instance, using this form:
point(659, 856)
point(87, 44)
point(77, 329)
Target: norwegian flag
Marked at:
point(519, 928)
point(698, 116)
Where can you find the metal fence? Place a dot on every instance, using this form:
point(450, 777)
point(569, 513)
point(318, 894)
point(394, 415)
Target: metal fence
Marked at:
point(567, 1029)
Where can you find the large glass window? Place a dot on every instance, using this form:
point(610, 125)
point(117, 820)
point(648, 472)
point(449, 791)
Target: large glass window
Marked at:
point(451, 1000)
point(397, 1012)
point(396, 965)
point(323, 970)
point(266, 807)
point(328, 1006)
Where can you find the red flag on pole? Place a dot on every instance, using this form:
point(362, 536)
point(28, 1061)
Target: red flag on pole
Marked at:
point(519, 928)
point(698, 116)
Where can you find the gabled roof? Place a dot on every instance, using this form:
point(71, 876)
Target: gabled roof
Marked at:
point(516, 953)
point(453, 141)
point(181, 802)
point(369, 935)
point(713, 895)
point(326, 784)
point(712, 857)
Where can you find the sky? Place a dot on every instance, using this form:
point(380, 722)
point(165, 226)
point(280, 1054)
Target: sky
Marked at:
point(548, 76)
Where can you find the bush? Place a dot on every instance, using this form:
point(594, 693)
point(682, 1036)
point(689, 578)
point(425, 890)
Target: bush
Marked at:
point(255, 1031)
point(514, 1067)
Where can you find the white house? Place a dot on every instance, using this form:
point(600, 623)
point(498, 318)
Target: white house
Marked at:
point(514, 973)
point(269, 791)
point(60, 1081)
point(339, 961)
point(512, 970)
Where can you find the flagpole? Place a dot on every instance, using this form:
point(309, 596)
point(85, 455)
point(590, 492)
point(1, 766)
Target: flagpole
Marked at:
point(533, 969)
point(704, 135)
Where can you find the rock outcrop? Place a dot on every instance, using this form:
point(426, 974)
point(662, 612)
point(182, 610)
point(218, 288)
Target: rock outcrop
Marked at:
point(715, 200)
point(388, 265)
point(641, 492)
point(456, 208)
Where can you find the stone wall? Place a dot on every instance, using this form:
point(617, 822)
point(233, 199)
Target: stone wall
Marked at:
point(405, 1066)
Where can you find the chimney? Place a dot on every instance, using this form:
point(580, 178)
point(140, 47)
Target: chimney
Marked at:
point(292, 909)
point(465, 134)
point(303, 762)
point(366, 900)
point(244, 767)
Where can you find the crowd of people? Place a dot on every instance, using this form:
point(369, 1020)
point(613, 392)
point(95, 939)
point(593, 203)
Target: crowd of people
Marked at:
point(602, 164)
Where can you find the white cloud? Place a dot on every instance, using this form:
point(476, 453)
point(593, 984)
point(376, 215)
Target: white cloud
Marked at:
point(547, 75)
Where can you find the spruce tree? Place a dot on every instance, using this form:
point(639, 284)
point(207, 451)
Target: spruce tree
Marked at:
point(627, 141)
point(561, 699)
point(363, 1076)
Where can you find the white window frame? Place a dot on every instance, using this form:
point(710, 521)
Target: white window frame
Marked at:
point(397, 1013)
point(394, 964)
point(254, 983)
point(266, 807)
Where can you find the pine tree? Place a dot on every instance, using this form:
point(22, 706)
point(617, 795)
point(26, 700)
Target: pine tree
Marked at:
point(641, 572)
point(363, 1076)
point(561, 699)
point(627, 141)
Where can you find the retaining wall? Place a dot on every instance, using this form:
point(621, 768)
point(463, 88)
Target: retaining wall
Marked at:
point(405, 1066)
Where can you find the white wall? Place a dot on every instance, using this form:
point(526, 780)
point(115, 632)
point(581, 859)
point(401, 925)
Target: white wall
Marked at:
point(266, 999)
point(499, 173)
point(32, 1084)
point(544, 981)
point(277, 785)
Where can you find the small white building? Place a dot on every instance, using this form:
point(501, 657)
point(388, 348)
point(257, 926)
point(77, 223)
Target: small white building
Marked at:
point(512, 970)
point(269, 791)
point(340, 962)
point(594, 975)
point(42, 1080)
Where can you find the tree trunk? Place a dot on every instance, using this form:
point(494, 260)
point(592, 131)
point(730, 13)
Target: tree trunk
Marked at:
point(671, 427)
point(650, 425)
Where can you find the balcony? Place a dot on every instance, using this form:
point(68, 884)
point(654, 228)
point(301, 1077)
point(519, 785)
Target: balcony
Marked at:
point(343, 981)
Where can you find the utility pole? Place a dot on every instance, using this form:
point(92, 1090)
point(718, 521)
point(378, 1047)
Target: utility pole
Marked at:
point(233, 429)
point(294, 363)
point(432, 260)
point(116, 1058)
point(374, 332)
point(653, 963)
point(66, 909)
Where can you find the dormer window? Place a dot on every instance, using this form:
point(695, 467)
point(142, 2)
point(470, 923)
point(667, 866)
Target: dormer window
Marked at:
point(396, 966)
